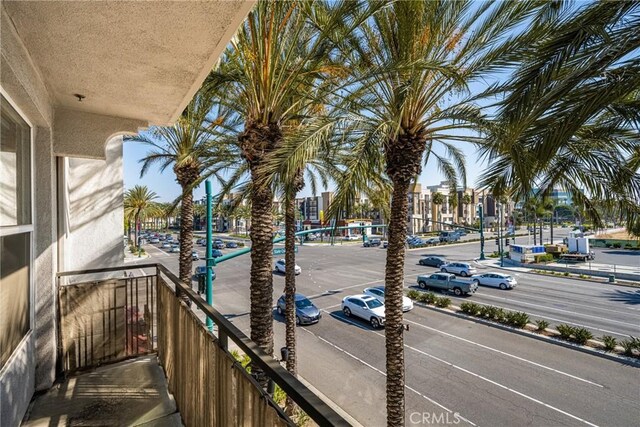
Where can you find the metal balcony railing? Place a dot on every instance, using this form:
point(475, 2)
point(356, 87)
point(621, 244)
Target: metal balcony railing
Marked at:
point(110, 316)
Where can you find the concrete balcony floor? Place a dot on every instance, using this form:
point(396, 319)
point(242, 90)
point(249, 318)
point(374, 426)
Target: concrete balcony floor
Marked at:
point(131, 393)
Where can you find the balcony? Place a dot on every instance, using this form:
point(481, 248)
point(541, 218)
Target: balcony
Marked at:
point(131, 352)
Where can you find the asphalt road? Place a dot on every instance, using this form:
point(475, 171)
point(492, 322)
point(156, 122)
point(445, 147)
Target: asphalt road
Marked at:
point(457, 371)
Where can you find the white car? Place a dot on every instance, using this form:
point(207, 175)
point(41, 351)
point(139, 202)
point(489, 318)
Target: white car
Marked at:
point(154, 240)
point(175, 249)
point(352, 237)
point(280, 267)
point(195, 256)
point(460, 268)
point(166, 245)
point(378, 293)
point(497, 280)
point(366, 307)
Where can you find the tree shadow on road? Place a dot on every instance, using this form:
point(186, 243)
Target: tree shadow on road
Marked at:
point(631, 297)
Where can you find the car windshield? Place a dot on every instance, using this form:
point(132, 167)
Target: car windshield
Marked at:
point(303, 303)
point(374, 303)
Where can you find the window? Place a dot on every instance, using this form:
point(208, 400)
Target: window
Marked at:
point(15, 230)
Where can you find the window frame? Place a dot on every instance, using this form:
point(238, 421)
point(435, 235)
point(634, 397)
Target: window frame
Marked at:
point(25, 228)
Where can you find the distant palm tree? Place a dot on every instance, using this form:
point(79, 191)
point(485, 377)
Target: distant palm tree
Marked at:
point(438, 199)
point(139, 205)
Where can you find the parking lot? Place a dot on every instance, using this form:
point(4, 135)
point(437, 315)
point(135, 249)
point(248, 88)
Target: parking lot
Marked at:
point(515, 380)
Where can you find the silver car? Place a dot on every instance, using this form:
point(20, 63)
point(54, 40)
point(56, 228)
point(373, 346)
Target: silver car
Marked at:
point(460, 268)
point(497, 280)
point(280, 267)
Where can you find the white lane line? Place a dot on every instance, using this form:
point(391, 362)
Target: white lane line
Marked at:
point(559, 309)
point(331, 306)
point(384, 374)
point(460, 368)
point(503, 353)
point(333, 291)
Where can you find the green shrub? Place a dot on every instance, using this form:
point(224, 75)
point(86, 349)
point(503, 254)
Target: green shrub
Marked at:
point(609, 342)
point(426, 297)
point(413, 294)
point(628, 346)
point(517, 319)
point(442, 302)
point(279, 396)
point(582, 335)
point(499, 315)
point(566, 273)
point(543, 258)
point(542, 324)
point(470, 308)
point(617, 245)
point(608, 245)
point(628, 246)
point(565, 331)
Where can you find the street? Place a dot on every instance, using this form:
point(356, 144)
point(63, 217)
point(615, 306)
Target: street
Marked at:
point(456, 369)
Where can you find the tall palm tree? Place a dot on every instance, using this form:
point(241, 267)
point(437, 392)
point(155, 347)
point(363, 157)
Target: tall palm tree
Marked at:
point(438, 199)
point(260, 76)
point(569, 116)
point(139, 205)
point(411, 61)
point(466, 201)
point(187, 146)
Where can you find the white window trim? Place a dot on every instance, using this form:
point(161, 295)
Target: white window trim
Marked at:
point(27, 228)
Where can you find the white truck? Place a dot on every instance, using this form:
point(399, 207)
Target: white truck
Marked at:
point(578, 249)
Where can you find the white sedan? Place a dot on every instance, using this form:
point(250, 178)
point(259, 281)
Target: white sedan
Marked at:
point(365, 307)
point(497, 280)
point(378, 293)
point(175, 249)
point(280, 267)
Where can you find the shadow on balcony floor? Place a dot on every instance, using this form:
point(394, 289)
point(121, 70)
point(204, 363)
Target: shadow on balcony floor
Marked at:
point(131, 393)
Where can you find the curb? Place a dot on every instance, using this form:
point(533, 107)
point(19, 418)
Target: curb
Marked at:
point(622, 359)
point(626, 283)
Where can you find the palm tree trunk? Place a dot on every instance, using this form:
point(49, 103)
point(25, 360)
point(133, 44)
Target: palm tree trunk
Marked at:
point(135, 231)
point(394, 284)
point(551, 225)
point(186, 234)
point(535, 234)
point(290, 290)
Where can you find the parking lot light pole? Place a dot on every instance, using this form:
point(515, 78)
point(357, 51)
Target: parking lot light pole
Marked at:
point(500, 245)
point(210, 261)
point(480, 214)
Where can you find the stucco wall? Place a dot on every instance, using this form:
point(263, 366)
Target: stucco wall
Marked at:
point(92, 211)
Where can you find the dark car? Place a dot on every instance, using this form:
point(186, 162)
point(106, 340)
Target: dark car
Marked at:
point(201, 270)
point(371, 242)
point(306, 312)
point(432, 261)
point(232, 245)
point(216, 253)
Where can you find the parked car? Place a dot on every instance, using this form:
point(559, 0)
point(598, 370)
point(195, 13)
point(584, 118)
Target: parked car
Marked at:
point(461, 232)
point(201, 242)
point(352, 237)
point(432, 241)
point(416, 242)
point(231, 245)
point(497, 280)
point(447, 282)
point(216, 253)
point(306, 312)
point(175, 249)
point(154, 240)
point(166, 245)
point(366, 307)
point(432, 261)
point(218, 244)
point(385, 244)
point(378, 293)
point(449, 236)
point(280, 267)
point(460, 268)
point(371, 242)
point(194, 256)
point(175, 244)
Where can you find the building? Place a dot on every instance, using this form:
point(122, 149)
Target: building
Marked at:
point(75, 78)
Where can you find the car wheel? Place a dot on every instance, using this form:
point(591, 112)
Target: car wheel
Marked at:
point(346, 311)
point(444, 270)
point(375, 323)
point(422, 285)
point(463, 273)
point(503, 286)
point(457, 291)
point(297, 320)
point(279, 310)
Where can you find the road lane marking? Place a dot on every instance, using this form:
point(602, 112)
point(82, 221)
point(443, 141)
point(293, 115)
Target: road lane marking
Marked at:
point(558, 309)
point(353, 356)
point(460, 368)
point(503, 353)
point(334, 291)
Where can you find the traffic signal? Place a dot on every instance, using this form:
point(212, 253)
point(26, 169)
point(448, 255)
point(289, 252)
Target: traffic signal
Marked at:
point(497, 242)
point(506, 241)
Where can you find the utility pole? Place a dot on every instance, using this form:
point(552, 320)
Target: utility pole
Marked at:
point(210, 261)
point(480, 213)
point(500, 245)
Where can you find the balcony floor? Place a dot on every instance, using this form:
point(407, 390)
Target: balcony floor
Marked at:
point(132, 393)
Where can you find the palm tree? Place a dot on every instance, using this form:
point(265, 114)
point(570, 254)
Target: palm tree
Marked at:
point(139, 205)
point(187, 146)
point(577, 126)
point(266, 84)
point(438, 199)
point(453, 203)
point(411, 61)
point(466, 201)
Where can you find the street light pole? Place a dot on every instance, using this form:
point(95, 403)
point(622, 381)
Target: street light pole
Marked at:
point(480, 213)
point(210, 261)
point(500, 243)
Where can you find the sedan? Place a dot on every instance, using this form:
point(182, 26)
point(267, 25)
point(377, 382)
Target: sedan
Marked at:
point(280, 267)
point(175, 249)
point(432, 241)
point(195, 256)
point(371, 242)
point(432, 261)
point(166, 245)
point(216, 253)
point(154, 240)
point(218, 244)
point(497, 280)
point(461, 268)
point(366, 307)
point(201, 241)
point(306, 312)
point(232, 245)
point(378, 293)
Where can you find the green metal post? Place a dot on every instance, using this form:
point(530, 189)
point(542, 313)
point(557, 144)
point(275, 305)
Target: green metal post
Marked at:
point(210, 262)
point(480, 213)
point(500, 246)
